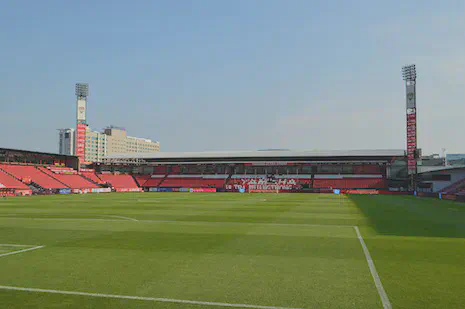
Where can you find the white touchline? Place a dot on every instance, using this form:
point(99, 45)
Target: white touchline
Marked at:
point(21, 251)
point(154, 299)
point(382, 293)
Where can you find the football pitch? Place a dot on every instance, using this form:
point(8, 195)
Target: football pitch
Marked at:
point(207, 250)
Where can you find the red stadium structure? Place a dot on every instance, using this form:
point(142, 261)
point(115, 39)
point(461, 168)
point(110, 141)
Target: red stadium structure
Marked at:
point(354, 172)
point(26, 172)
point(263, 171)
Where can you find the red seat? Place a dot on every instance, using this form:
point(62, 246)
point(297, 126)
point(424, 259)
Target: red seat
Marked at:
point(9, 182)
point(192, 182)
point(75, 181)
point(35, 175)
point(92, 176)
point(455, 187)
point(120, 181)
point(153, 182)
point(142, 179)
point(350, 183)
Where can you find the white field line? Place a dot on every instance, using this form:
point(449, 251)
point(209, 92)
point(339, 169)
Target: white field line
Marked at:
point(379, 286)
point(121, 217)
point(153, 299)
point(21, 251)
point(186, 222)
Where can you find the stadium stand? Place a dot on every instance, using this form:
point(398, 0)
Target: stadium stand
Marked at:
point(141, 179)
point(456, 187)
point(120, 182)
point(154, 181)
point(192, 182)
point(349, 183)
point(9, 182)
point(28, 174)
point(75, 181)
point(92, 176)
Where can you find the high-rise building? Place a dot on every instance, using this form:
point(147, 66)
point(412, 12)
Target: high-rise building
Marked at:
point(96, 146)
point(92, 146)
point(119, 142)
point(66, 141)
point(114, 140)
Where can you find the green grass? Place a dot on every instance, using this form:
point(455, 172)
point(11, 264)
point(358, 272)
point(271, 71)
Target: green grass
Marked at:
point(286, 250)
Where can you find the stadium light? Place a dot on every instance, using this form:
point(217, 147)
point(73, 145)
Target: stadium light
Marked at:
point(82, 90)
point(409, 73)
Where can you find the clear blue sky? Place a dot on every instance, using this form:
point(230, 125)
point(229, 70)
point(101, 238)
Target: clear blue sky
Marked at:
point(234, 75)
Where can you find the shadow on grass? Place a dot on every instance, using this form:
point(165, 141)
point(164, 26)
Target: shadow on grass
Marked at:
point(412, 216)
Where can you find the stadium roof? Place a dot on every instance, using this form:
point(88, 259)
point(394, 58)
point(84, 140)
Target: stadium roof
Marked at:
point(428, 169)
point(36, 152)
point(263, 154)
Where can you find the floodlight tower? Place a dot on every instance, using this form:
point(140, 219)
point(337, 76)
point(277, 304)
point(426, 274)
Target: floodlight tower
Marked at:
point(82, 92)
point(409, 74)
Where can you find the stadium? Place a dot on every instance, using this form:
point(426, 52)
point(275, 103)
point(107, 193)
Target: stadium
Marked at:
point(112, 222)
point(266, 229)
point(372, 171)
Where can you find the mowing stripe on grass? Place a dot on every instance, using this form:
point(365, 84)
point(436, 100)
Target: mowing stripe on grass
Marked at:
point(186, 222)
point(21, 251)
point(154, 299)
point(244, 223)
point(379, 286)
point(121, 217)
point(13, 245)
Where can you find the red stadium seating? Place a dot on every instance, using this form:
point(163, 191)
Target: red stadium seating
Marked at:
point(120, 181)
point(23, 172)
point(9, 182)
point(75, 181)
point(153, 182)
point(350, 183)
point(92, 176)
point(455, 187)
point(192, 182)
point(142, 179)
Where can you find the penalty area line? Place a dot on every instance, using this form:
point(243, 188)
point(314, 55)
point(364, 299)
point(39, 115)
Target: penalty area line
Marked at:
point(371, 265)
point(153, 299)
point(21, 251)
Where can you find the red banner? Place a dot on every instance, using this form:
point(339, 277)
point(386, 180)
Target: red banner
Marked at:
point(411, 141)
point(81, 141)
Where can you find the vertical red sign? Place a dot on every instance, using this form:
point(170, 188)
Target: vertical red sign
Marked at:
point(411, 141)
point(81, 141)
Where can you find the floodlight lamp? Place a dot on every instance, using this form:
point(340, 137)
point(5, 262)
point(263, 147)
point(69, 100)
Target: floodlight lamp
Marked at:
point(82, 90)
point(409, 72)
